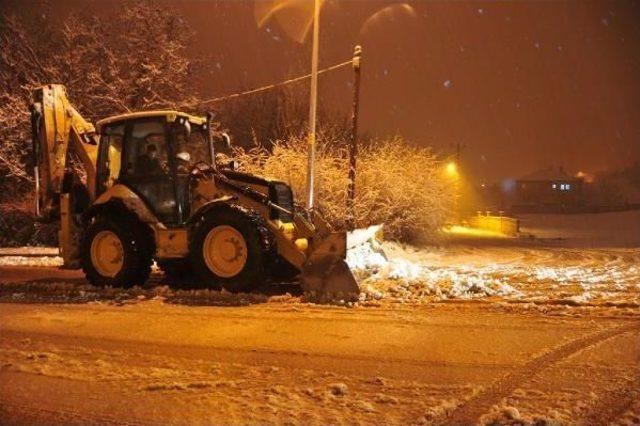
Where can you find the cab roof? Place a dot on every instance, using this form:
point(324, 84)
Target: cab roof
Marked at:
point(170, 114)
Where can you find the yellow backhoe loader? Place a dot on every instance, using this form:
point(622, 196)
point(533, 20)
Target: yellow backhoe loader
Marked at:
point(154, 191)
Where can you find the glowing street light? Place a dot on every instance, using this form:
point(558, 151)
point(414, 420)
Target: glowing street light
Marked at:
point(452, 169)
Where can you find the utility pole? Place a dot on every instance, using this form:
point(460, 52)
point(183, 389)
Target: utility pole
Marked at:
point(353, 145)
point(313, 107)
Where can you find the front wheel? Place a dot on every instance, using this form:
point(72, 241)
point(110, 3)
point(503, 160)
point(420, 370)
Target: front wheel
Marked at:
point(231, 248)
point(114, 255)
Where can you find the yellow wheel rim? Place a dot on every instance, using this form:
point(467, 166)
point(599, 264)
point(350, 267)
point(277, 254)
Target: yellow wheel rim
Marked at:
point(225, 251)
point(107, 254)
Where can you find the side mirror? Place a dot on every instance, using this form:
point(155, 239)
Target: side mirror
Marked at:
point(187, 128)
point(226, 139)
point(184, 125)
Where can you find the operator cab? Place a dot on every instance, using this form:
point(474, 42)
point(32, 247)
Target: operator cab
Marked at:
point(152, 153)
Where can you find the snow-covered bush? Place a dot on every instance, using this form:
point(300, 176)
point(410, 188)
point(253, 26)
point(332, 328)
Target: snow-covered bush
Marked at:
point(138, 60)
point(397, 184)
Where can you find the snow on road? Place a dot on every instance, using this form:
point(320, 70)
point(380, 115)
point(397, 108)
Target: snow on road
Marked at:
point(554, 340)
point(584, 260)
point(150, 363)
point(17, 260)
point(389, 271)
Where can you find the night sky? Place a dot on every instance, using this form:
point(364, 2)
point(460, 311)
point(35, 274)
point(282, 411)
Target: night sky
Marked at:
point(521, 85)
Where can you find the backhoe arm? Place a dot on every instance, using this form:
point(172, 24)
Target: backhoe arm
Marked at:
point(56, 125)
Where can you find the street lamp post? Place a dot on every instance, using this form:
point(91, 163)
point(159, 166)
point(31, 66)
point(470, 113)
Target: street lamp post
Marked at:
point(313, 107)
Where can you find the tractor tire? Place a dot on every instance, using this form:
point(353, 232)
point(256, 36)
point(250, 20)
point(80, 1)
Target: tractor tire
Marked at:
point(230, 247)
point(116, 253)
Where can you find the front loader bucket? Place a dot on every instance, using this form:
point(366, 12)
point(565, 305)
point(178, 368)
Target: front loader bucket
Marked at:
point(326, 277)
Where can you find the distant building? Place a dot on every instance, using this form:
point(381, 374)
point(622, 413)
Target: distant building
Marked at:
point(548, 190)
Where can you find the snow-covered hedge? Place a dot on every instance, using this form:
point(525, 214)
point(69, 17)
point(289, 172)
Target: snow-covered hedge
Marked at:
point(399, 185)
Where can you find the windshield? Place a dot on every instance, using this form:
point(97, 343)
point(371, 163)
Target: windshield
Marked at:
point(192, 150)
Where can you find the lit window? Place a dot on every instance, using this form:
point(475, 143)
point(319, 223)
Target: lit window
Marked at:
point(562, 187)
point(553, 186)
point(568, 187)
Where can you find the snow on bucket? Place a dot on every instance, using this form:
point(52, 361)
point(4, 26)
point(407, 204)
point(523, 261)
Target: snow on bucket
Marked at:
point(365, 254)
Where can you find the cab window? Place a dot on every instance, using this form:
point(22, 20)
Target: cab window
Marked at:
point(192, 149)
point(147, 149)
point(110, 156)
point(147, 171)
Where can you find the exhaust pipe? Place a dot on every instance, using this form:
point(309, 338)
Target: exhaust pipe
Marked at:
point(36, 119)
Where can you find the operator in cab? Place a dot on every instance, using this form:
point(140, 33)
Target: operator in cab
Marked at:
point(148, 163)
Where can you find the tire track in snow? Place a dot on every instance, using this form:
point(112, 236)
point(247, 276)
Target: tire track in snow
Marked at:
point(613, 405)
point(471, 410)
point(40, 415)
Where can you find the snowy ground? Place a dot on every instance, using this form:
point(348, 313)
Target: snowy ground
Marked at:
point(579, 260)
point(595, 230)
point(391, 273)
point(154, 363)
point(569, 259)
point(524, 274)
point(524, 331)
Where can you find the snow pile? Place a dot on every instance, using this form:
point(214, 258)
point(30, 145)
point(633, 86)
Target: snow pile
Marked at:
point(364, 251)
point(401, 279)
point(387, 271)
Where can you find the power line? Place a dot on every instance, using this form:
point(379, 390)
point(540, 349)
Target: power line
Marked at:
point(274, 85)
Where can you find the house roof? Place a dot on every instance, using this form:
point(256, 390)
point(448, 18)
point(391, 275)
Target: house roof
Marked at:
point(550, 173)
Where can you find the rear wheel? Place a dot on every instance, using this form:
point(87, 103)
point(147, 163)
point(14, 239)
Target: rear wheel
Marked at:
point(115, 254)
point(231, 248)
